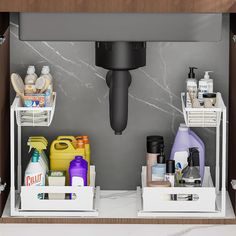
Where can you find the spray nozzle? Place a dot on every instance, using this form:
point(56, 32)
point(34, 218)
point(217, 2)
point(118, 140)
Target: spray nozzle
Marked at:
point(191, 73)
point(39, 143)
point(206, 76)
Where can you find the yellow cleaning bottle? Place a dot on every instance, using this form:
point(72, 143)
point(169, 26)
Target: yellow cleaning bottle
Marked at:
point(69, 138)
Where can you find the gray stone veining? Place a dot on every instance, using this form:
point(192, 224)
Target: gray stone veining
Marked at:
point(154, 98)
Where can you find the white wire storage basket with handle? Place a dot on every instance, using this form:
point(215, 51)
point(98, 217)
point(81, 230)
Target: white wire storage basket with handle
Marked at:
point(203, 117)
point(33, 116)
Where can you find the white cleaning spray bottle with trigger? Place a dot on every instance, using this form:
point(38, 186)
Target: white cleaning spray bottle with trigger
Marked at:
point(40, 145)
point(35, 173)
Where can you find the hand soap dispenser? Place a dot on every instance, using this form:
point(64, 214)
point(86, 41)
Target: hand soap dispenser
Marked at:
point(191, 88)
point(205, 85)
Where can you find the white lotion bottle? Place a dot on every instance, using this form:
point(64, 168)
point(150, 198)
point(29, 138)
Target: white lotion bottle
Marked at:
point(205, 85)
point(209, 81)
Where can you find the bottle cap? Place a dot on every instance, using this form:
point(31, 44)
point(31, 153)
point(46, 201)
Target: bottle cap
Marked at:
point(35, 156)
point(183, 127)
point(155, 138)
point(191, 73)
point(85, 139)
point(78, 158)
point(45, 70)
point(80, 143)
point(206, 76)
point(170, 166)
point(209, 95)
point(31, 70)
point(161, 159)
point(154, 144)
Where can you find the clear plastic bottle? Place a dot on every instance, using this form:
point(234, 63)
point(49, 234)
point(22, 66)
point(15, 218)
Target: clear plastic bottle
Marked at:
point(154, 144)
point(30, 80)
point(191, 87)
point(31, 77)
point(159, 169)
point(191, 172)
point(45, 72)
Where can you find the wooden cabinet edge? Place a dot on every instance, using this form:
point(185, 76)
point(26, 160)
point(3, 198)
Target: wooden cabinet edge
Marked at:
point(12, 220)
point(167, 6)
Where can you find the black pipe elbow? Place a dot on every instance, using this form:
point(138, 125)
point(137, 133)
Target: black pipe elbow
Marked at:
point(119, 58)
point(118, 82)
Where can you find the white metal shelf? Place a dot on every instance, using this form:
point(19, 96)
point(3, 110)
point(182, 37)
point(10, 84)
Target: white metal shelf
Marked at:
point(23, 199)
point(197, 117)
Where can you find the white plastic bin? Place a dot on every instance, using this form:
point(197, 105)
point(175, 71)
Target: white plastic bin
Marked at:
point(84, 200)
point(152, 202)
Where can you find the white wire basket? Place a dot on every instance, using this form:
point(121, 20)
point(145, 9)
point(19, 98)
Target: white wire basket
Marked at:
point(33, 116)
point(203, 117)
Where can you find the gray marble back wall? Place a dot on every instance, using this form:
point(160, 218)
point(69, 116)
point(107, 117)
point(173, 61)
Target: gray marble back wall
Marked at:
point(154, 98)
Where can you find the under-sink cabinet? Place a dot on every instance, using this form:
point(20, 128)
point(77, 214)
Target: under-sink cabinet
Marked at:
point(216, 202)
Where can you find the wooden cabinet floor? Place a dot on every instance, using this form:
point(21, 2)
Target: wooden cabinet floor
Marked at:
point(117, 230)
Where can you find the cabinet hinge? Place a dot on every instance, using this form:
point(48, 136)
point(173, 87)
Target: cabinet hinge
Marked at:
point(234, 38)
point(2, 39)
point(2, 186)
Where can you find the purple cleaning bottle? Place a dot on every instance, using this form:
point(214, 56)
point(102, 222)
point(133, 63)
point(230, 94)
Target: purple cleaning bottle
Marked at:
point(185, 139)
point(78, 172)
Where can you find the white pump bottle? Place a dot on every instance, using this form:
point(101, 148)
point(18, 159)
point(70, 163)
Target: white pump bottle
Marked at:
point(205, 85)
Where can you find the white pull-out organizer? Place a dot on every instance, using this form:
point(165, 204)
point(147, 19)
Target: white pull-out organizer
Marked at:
point(24, 200)
point(151, 203)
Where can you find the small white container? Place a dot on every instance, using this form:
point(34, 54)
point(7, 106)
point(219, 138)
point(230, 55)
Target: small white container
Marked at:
point(56, 178)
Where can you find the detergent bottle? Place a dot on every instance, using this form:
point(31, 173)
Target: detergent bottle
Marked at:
point(70, 138)
point(78, 172)
point(35, 173)
point(184, 140)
